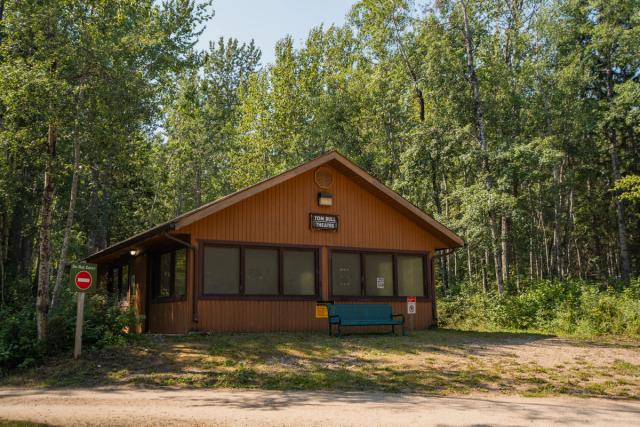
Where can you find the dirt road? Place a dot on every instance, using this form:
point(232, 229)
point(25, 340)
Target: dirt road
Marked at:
point(154, 407)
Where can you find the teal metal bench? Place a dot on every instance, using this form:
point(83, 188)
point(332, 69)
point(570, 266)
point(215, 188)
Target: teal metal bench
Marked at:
point(363, 315)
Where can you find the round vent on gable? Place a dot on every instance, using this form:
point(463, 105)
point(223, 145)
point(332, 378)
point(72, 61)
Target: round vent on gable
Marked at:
point(323, 177)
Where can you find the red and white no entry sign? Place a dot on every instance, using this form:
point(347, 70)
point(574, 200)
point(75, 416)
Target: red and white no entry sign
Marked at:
point(83, 280)
point(82, 274)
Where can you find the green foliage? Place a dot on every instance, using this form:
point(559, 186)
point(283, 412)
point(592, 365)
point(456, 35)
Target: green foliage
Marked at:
point(105, 324)
point(18, 345)
point(569, 307)
point(629, 188)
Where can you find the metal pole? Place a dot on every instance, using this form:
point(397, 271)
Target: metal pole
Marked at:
point(77, 349)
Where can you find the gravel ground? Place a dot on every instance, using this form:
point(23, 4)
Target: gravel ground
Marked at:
point(126, 406)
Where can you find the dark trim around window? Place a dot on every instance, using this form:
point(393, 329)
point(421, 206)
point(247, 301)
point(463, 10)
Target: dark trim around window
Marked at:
point(115, 282)
point(251, 245)
point(394, 254)
point(154, 267)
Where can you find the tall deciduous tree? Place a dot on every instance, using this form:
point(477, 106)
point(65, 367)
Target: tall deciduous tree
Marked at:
point(53, 50)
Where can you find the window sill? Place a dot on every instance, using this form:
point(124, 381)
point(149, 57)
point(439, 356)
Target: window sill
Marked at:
point(260, 297)
point(380, 299)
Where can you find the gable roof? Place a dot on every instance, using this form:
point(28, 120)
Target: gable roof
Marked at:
point(332, 158)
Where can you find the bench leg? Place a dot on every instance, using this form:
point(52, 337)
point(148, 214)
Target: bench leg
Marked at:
point(339, 330)
point(393, 329)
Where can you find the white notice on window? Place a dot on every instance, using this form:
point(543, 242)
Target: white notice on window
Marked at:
point(380, 282)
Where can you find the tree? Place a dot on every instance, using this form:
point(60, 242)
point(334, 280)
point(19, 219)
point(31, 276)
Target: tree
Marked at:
point(53, 50)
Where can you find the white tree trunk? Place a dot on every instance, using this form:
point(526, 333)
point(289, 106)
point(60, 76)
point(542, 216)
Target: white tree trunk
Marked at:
point(44, 257)
point(69, 224)
point(479, 118)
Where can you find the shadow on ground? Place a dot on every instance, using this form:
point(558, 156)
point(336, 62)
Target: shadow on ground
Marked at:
point(437, 362)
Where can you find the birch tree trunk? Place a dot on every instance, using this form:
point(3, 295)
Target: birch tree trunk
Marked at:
point(485, 263)
point(3, 221)
point(625, 266)
point(470, 271)
point(197, 184)
point(477, 103)
point(69, 224)
point(407, 64)
point(44, 257)
point(624, 263)
point(504, 242)
point(3, 237)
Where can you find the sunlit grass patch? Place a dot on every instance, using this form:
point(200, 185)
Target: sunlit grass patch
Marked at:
point(438, 362)
point(624, 367)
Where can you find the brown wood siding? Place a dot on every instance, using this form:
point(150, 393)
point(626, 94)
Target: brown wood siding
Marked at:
point(279, 316)
point(169, 317)
point(280, 215)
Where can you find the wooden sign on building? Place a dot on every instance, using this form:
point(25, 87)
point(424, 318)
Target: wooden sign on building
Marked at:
point(323, 222)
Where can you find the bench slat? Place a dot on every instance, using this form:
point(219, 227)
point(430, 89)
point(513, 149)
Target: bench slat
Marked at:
point(362, 315)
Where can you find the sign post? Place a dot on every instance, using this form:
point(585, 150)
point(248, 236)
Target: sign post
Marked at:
point(82, 275)
point(411, 311)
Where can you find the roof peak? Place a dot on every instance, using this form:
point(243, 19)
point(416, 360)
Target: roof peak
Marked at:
point(343, 163)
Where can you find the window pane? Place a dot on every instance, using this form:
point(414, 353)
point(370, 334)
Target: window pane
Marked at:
point(165, 275)
point(115, 280)
point(345, 275)
point(299, 272)
point(378, 275)
point(261, 271)
point(181, 273)
point(410, 275)
point(125, 281)
point(221, 270)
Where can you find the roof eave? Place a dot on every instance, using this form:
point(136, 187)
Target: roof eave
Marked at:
point(167, 226)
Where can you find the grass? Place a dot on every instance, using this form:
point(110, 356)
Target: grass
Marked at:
point(435, 362)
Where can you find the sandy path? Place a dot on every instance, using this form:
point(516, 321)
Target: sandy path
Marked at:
point(150, 407)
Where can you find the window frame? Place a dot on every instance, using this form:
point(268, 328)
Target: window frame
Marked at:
point(155, 277)
point(116, 278)
point(394, 255)
point(242, 246)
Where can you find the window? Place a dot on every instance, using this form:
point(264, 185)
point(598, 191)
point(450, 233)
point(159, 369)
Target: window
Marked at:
point(123, 291)
point(410, 275)
point(116, 280)
point(345, 275)
point(259, 271)
point(221, 270)
point(166, 271)
point(376, 274)
point(299, 272)
point(180, 281)
point(170, 274)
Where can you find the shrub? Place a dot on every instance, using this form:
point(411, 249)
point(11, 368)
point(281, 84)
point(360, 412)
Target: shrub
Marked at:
point(18, 345)
point(105, 324)
point(570, 307)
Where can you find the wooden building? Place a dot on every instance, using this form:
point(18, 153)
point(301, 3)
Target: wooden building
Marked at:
point(261, 259)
